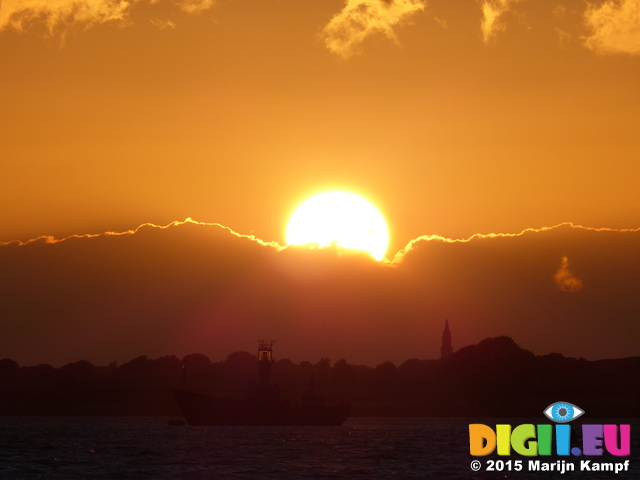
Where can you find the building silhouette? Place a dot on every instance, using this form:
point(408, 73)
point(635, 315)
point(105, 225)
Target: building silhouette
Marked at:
point(446, 348)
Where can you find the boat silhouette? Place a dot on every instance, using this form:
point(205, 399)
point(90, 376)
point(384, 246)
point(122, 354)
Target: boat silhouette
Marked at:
point(262, 405)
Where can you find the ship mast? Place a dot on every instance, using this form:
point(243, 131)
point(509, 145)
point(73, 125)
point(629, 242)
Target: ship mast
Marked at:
point(265, 359)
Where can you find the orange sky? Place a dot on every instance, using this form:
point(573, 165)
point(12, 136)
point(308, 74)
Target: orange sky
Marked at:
point(235, 112)
point(453, 118)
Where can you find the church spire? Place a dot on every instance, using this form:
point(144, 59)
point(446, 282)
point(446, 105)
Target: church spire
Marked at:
point(446, 348)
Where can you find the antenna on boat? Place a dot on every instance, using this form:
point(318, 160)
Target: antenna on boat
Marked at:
point(265, 359)
point(265, 350)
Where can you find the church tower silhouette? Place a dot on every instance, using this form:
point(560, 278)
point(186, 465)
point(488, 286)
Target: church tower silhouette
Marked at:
point(446, 348)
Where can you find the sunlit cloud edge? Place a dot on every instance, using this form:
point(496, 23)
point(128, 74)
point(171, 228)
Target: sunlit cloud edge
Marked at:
point(395, 260)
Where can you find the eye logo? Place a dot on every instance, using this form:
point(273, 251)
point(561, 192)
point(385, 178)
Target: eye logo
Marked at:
point(562, 412)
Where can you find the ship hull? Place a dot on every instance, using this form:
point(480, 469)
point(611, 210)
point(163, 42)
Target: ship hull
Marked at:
point(201, 409)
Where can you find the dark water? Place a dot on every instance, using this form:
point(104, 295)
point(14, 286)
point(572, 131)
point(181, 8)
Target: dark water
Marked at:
point(147, 447)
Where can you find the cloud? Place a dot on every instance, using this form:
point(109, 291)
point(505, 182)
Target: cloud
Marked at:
point(193, 287)
point(615, 27)
point(162, 24)
point(427, 238)
point(565, 278)
point(195, 6)
point(492, 10)
point(59, 15)
point(559, 11)
point(20, 13)
point(360, 19)
point(187, 221)
point(441, 22)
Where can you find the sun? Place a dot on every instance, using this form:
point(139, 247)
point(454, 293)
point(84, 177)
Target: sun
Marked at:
point(339, 218)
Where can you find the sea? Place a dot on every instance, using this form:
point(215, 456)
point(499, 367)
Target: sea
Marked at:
point(363, 448)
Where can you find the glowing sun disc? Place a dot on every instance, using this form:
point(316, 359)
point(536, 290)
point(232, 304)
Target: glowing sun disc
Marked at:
point(339, 218)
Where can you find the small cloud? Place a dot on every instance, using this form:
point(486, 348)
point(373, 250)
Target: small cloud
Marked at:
point(560, 11)
point(615, 27)
point(565, 278)
point(441, 22)
point(564, 38)
point(195, 6)
point(492, 11)
point(162, 24)
point(359, 19)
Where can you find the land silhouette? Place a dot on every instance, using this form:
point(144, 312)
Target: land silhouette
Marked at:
point(492, 378)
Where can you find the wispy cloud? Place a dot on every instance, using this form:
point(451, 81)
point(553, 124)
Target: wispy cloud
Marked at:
point(615, 27)
point(162, 24)
point(429, 238)
point(360, 19)
point(566, 279)
point(59, 15)
point(397, 259)
point(194, 6)
point(52, 240)
point(19, 14)
point(492, 11)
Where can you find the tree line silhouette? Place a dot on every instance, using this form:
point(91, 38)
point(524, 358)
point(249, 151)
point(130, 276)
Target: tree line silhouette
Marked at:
point(493, 378)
